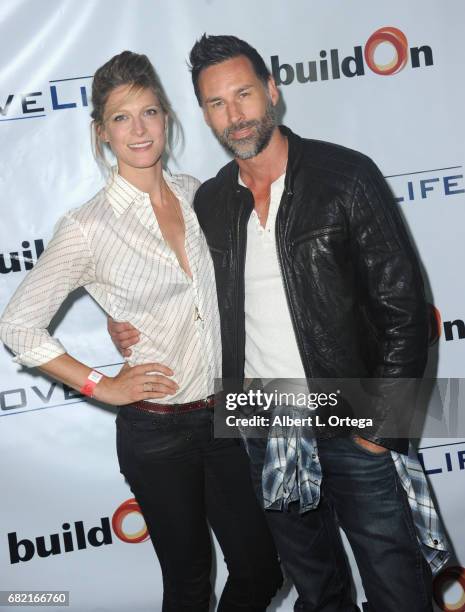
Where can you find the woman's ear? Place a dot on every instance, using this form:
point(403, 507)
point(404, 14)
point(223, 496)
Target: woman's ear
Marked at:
point(101, 132)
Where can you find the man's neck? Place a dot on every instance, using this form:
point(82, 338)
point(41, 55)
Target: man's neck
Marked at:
point(267, 166)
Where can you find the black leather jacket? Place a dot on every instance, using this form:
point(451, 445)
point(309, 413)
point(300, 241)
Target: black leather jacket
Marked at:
point(350, 274)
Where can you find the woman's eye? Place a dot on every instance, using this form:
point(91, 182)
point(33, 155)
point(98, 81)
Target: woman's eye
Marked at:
point(119, 117)
point(151, 111)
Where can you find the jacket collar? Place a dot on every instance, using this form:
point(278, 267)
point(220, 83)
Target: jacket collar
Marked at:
point(293, 160)
point(293, 157)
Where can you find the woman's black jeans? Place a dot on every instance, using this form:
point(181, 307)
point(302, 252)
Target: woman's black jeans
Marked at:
point(182, 477)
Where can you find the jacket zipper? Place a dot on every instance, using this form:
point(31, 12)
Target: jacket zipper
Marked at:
point(240, 271)
point(286, 291)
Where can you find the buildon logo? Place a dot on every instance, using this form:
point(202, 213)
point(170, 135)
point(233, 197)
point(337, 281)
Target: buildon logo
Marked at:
point(398, 41)
point(386, 52)
point(127, 524)
point(127, 508)
point(453, 330)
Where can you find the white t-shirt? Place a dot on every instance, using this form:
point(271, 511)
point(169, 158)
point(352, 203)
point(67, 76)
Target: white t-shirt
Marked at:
point(270, 344)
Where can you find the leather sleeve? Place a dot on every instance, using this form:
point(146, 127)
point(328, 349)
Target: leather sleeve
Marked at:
point(392, 294)
point(389, 278)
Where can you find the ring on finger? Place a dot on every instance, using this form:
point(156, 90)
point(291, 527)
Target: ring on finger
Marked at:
point(148, 387)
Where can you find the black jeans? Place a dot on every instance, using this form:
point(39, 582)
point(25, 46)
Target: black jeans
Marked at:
point(362, 493)
point(181, 477)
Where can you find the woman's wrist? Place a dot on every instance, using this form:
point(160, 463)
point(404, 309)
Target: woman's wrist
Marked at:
point(101, 389)
point(92, 380)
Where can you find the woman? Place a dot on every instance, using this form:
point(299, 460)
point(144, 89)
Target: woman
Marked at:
point(138, 250)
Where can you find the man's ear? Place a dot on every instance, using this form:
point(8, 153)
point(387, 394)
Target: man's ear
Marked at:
point(273, 90)
point(205, 116)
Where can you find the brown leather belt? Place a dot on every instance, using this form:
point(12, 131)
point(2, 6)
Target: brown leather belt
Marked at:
point(208, 402)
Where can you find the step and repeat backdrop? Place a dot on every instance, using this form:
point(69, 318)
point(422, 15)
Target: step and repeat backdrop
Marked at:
point(383, 78)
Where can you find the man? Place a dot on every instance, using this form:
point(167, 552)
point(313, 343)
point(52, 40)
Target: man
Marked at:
point(316, 279)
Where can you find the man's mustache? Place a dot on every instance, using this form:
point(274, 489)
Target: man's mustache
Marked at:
point(235, 127)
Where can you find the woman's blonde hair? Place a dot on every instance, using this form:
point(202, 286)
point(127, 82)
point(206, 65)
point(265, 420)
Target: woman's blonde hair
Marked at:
point(126, 68)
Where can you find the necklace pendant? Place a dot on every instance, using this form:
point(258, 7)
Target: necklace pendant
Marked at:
point(197, 316)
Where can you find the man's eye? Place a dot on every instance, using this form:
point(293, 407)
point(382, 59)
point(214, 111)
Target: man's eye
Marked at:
point(217, 104)
point(244, 94)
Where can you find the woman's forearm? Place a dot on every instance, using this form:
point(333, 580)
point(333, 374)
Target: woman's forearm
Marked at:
point(131, 384)
point(68, 370)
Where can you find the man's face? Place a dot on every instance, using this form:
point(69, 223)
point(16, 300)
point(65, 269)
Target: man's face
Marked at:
point(238, 106)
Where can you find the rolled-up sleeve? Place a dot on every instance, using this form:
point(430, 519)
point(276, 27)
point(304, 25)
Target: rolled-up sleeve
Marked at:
point(65, 265)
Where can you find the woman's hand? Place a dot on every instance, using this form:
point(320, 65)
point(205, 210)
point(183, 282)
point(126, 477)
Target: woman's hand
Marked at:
point(132, 384)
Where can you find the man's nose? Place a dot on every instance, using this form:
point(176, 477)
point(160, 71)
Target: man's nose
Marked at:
point(235, 112)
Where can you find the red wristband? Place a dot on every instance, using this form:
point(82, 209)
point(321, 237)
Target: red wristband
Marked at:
point(92, 380)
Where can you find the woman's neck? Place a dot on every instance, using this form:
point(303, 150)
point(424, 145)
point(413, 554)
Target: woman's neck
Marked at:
point(149, 180)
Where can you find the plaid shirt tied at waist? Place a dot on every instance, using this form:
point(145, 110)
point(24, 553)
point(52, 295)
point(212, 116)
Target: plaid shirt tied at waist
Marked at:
point(292, 472)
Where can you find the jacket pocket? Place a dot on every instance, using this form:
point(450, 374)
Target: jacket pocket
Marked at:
point(317, 233)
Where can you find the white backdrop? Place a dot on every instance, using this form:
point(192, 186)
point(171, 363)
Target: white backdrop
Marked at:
point(59, 469)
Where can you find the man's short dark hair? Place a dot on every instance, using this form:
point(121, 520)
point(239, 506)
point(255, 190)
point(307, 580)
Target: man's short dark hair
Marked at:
point(210, 50)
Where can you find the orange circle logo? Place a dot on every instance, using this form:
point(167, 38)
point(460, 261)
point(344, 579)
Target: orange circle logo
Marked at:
point(130, 506)
point(452, 575)
point(397, 39)
point(435, 324)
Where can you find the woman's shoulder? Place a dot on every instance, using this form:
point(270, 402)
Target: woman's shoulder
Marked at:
point(186, 183)
point(84, 220)
point(93, 209)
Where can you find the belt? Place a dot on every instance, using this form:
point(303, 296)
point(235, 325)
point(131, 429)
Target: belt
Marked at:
point(208, 402)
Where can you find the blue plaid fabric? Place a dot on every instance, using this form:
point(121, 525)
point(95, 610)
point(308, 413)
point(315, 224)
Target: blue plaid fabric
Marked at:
point(292, 472)
point(430, 531)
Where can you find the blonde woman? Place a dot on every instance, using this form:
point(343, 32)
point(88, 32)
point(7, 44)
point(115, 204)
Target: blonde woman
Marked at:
point(138, 250)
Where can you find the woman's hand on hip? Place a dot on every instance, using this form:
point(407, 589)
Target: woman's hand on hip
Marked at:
point(133, 384)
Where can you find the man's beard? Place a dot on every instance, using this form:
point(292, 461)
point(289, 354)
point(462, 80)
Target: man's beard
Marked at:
point(250, 146)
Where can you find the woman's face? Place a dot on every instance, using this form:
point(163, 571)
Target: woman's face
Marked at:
point(134, 126)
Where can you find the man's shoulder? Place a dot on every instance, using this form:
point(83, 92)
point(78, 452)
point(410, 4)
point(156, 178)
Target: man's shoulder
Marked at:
point(334, 159)
point(212, 187)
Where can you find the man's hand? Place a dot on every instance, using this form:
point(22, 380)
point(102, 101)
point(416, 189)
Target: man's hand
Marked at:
point(370, 446)
point(123, 335)
point(132, 384)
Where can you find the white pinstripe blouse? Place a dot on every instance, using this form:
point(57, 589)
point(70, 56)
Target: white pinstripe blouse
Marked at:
point(113, 246)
